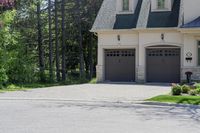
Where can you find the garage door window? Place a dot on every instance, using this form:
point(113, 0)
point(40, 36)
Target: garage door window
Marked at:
point(198, 53)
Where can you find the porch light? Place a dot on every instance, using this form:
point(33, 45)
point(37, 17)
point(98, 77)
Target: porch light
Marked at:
point(118, 37)
point(163, 36)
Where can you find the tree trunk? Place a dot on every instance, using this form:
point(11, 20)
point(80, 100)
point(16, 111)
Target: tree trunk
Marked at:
point(91, 57)
point(63, 41)
point(81, 57)
point(56, 42)
point(40, 48)
point(50, 43)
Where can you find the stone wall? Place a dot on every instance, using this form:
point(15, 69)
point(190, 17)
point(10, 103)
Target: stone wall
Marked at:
point(194, 70)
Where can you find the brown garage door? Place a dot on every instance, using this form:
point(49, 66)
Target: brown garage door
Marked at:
point(163, 65)
point(120, 65)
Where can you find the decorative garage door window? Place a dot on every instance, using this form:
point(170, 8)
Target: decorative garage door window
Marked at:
point(163, 52)
point(126, 53)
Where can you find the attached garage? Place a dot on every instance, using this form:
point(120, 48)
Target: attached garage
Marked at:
point(120, 65)
point(163, 65)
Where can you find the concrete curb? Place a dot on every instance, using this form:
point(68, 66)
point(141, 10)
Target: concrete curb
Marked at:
point(169, 104)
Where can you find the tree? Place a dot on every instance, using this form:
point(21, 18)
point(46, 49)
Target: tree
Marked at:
point(56, 42)
point(63, 41)
point(50, 43)
point(81, 57)
point(40, 48)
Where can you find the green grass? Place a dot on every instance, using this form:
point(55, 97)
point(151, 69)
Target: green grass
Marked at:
point(93, 81)
point(24, 87)
point(194, 100)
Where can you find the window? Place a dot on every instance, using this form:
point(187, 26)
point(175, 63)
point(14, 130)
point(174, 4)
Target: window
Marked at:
point(198, 53)
point(161, 4)
point(125, 5)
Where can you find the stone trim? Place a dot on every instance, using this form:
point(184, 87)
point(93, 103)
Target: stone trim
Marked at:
point(194, 70)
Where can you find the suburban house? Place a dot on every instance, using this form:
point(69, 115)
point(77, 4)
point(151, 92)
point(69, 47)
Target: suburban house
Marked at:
point(148, 40)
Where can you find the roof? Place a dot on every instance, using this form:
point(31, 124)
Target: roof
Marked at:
point(130, 19)
point(165, 18)
point(193, 24)
point(106, 16)
point(108, 19)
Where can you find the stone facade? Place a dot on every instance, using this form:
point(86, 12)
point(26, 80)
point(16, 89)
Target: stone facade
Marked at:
point(194, 70)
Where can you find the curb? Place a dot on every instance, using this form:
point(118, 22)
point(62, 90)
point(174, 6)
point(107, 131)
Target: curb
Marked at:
point(169, 104)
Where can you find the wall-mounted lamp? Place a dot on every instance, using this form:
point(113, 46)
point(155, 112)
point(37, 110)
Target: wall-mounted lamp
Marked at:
point(118, 38)
point(163, 36)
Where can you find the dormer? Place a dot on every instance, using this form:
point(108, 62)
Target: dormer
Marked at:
point(126, 6)
point(161, 5)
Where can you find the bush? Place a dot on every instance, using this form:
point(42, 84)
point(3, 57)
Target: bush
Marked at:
point(185, 89)
point(198, 90)
point(176, 90)
point(193, 92)
point(3, 77)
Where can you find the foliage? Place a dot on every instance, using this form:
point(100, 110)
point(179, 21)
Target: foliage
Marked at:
point(3, 77)
point(193, 92)
point(185, 89)
point(93, 81)
point(176, 90)
point(19, 48)
point(198, 90)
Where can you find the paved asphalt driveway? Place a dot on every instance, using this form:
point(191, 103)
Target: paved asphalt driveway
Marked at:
point(102, 108)
point(92, 92)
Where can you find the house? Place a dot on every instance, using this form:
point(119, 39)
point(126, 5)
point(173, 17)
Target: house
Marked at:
point(148, 40)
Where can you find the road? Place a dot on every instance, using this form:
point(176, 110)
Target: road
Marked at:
point(69, 116)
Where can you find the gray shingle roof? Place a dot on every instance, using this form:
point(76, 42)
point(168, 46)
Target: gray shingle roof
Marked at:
point(193, 24)
point(106, 16)
point(108, 19)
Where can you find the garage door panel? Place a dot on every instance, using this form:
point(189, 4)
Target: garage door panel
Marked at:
point(163, 65)
point(120, 65)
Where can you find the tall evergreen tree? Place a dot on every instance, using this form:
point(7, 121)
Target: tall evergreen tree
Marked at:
point(50, 42)
point(81, 57)
point(40, 48)
point(63, 41)
point(57, 42)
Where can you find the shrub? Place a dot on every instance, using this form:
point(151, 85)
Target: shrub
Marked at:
point(176, 90)
point(198, 90)
point(185, 89)
point(3, 77)
point(193, 92)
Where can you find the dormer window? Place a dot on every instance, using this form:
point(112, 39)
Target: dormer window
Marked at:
point(125, 5)
point(160, 4)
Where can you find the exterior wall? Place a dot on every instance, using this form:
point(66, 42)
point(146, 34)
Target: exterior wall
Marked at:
point(190, 45)
point(139, 41)
point(191, 10)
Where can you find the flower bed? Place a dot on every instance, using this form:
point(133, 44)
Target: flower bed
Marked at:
point(192, 90)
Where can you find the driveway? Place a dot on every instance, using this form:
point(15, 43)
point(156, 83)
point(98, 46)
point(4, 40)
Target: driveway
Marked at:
point(92, 92)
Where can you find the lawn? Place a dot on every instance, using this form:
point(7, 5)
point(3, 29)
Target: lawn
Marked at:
point(24, 87)
point(194, 100)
